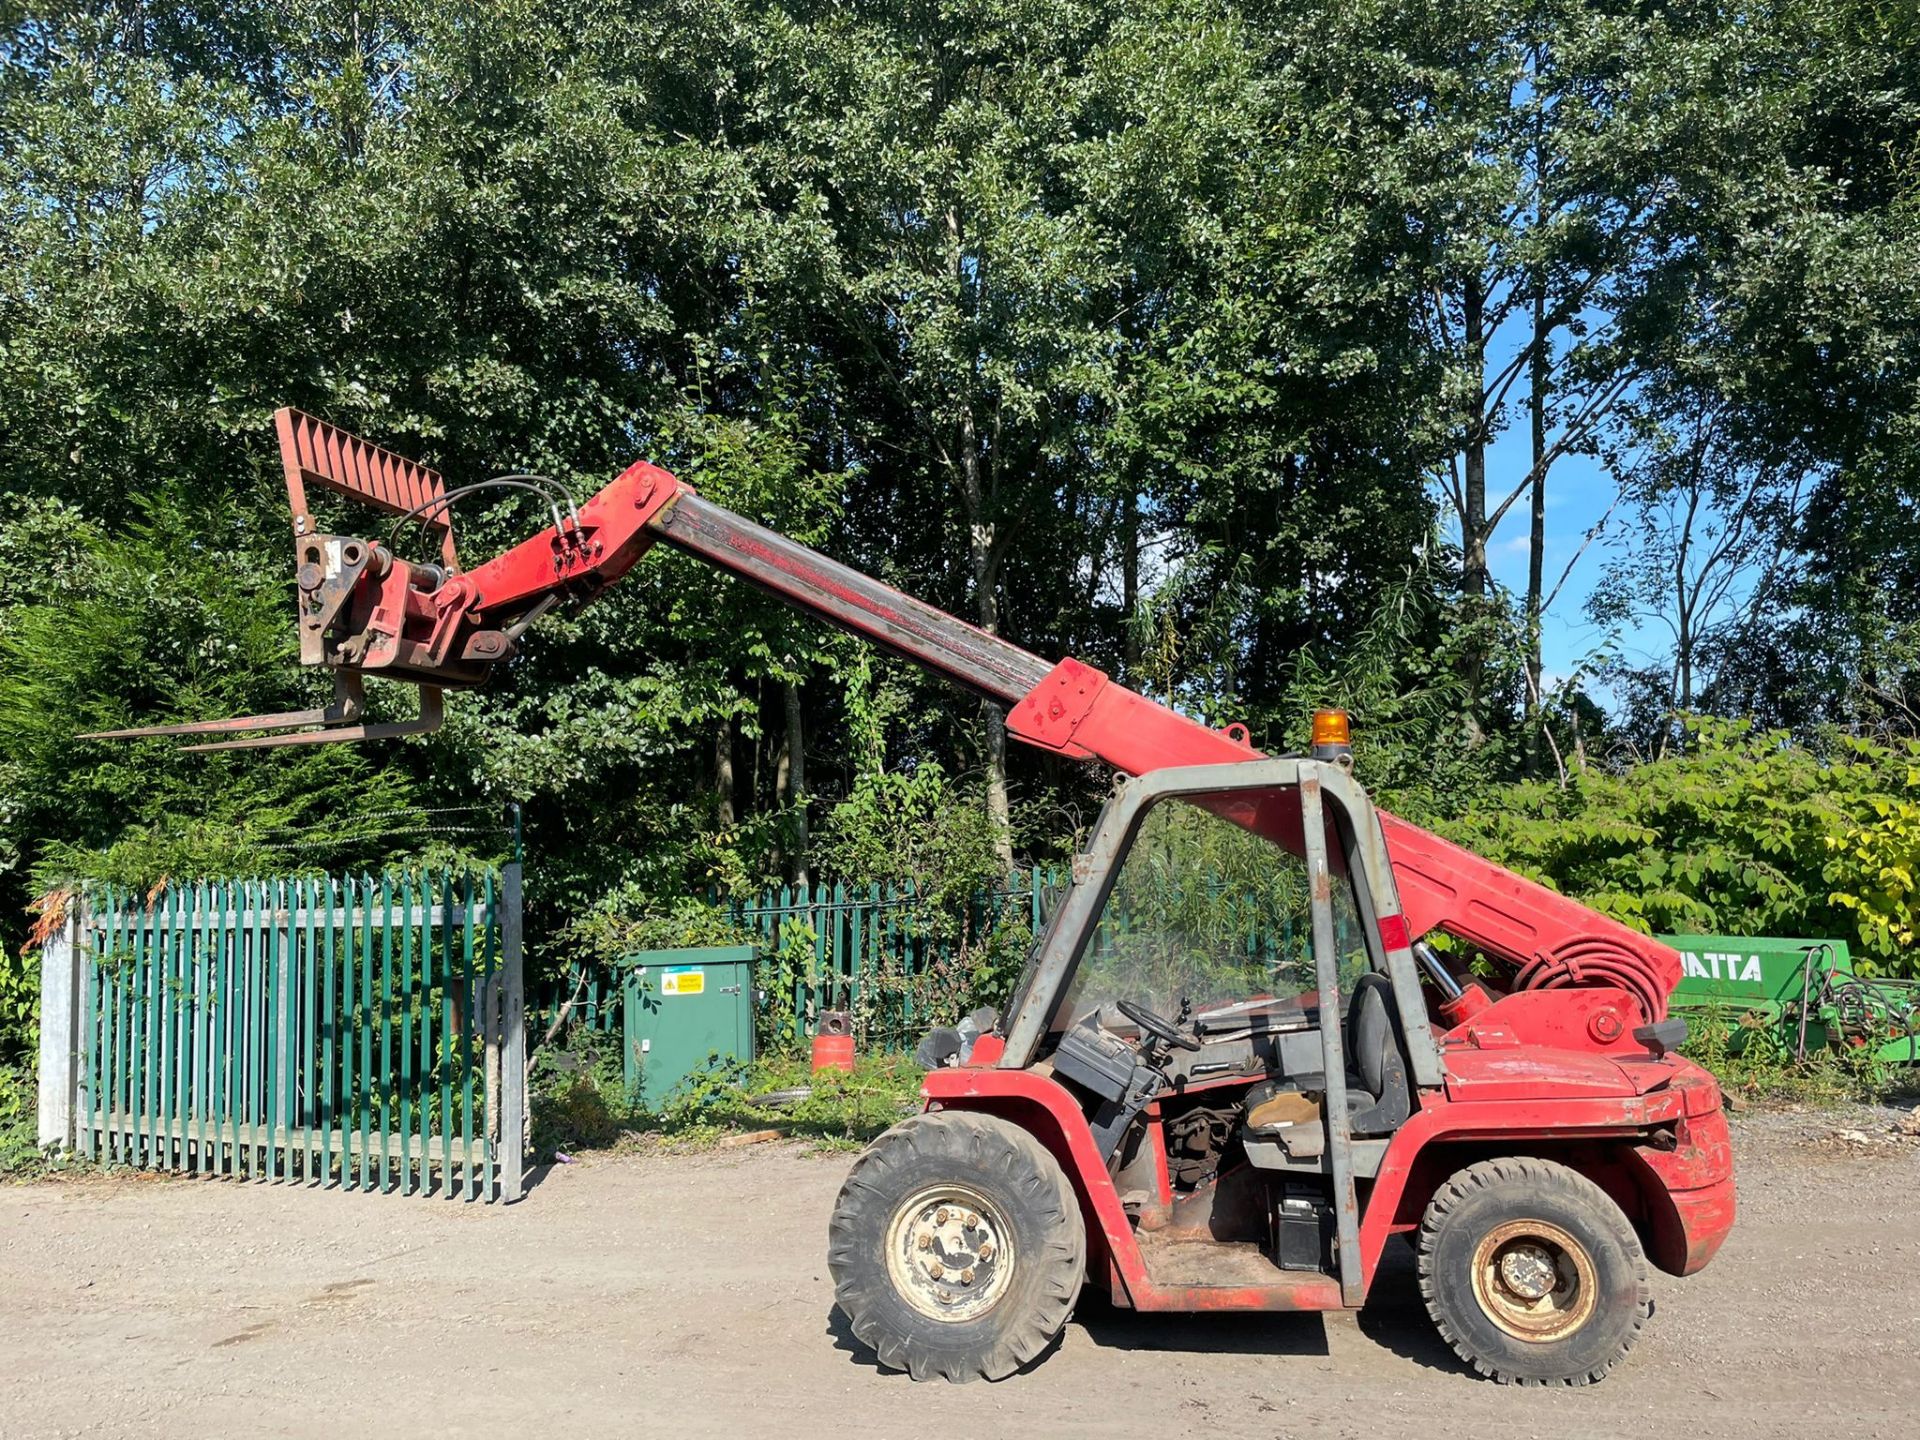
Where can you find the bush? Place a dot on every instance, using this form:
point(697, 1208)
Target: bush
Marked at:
point(911, 833)
point(576, 1094)
point(837, 1108)
point(19, 1121)
point(1742, 833)
point(1749, 1061)
point(920, 832)
point(1872, 866)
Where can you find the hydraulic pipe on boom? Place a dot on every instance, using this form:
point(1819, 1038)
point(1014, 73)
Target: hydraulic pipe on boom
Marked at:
point(364, 609)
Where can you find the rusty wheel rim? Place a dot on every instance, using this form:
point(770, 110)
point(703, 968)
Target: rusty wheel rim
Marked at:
point(949, 1252)
point(1534, 1280)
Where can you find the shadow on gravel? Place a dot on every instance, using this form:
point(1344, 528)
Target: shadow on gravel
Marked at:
point(1116, 1329)
point(1396, 1319)
point(1112, 1328)
point(535, 1176)
point(848, 1344)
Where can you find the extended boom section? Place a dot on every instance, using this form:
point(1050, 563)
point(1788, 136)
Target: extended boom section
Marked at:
point(809, 581)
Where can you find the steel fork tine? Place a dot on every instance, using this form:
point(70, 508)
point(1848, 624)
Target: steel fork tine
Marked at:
point(432, 712)
point(315, 716)
point(349, 698)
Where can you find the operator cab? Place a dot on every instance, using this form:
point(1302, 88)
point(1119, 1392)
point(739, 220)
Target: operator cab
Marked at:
point(1192, 1026)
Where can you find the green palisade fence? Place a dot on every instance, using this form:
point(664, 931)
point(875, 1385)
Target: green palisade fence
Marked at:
point(865, 949)
point(361, 1032)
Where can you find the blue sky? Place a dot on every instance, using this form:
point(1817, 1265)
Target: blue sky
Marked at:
point(1579, 490)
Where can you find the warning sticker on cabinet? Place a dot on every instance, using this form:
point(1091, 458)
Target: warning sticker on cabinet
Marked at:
point(682, 980)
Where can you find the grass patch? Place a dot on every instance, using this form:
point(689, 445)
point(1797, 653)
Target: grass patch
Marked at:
point(580, 1102)
point(838, 1110)
point(1751, 1063)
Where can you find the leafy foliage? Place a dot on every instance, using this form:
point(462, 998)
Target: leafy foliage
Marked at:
point(1748, 1063)
point(1745, 833)
point(912, 827)
point(19, 1120)
point(917, 832)
point(1872, 864)
point(1204, 911)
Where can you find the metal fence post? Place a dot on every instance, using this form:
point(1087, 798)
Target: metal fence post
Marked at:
point(60, 1029)
point(513, 1058)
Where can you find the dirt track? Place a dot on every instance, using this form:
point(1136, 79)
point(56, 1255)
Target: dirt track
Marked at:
point(688, 1295)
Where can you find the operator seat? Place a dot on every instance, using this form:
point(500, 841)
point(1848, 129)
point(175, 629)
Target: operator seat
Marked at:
point(1379, 1098)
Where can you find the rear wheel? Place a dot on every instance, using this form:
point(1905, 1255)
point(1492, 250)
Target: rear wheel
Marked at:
point(1532, 1273)
point(956, 1247)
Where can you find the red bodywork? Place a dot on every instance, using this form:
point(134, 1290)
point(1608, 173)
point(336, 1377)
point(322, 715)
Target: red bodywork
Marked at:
point(1651, 1132)
point(1549, 1069)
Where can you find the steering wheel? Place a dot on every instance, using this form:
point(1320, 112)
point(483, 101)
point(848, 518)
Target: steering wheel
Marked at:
point(1156, 1025)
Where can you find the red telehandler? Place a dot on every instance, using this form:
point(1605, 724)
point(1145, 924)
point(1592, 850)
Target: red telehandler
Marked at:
point(1233, 1068)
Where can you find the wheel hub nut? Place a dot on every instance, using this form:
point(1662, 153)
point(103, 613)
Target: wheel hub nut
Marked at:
point(947, 1256)
point(1527, 1271)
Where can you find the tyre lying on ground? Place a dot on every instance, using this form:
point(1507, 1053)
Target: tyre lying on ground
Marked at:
point(956, 1247)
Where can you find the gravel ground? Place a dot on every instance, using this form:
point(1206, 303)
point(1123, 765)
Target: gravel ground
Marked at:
point(689, 1294)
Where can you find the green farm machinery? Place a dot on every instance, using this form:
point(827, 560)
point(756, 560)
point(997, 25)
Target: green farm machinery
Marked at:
point(1798, 996)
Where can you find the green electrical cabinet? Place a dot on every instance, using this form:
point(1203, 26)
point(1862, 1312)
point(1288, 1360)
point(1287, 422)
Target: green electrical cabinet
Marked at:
point(685, 1010)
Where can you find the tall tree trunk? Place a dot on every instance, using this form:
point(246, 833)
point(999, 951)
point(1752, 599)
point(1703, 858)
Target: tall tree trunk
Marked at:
point(797, 780)
point(1473, 520)
point(1537, 532)
point(999, 808)
point(983, 557)
point(1685, 655)
point(1686, 594)
point(1473, 524)
point(1130, 581)
point(754, 792)
point(723, 771)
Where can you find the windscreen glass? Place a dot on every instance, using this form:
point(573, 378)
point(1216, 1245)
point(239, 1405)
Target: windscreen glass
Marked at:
point(1210, 906)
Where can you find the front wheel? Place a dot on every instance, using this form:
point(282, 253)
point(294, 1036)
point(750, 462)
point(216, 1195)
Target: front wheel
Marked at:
point(956, 1246)
point(1532, 1273)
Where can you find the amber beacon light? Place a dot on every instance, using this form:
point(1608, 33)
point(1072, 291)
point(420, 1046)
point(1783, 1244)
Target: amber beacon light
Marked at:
point(1332, 735)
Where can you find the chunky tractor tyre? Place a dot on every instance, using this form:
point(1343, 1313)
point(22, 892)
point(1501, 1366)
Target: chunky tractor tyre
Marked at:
point(1532, 1273)
point(957, 1247)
